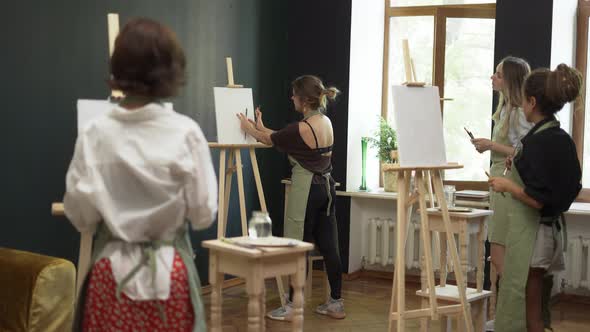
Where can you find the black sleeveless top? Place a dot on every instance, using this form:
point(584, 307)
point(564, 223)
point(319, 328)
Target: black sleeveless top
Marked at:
point(289, 140)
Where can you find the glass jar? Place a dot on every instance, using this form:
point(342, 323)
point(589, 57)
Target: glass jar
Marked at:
point(450, 195)
point(260, 225)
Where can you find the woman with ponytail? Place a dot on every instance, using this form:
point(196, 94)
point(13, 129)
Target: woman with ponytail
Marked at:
point(310, 206)
point(544, 180)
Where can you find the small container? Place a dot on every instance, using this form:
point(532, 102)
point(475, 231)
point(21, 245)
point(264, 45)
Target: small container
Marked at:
point(260, 225)
point(450, 195)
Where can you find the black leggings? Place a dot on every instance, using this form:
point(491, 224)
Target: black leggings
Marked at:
point(322, 230)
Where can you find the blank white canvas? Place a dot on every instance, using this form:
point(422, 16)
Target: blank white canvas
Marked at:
point(419, 126)
point(228, 103)
point(89, 109)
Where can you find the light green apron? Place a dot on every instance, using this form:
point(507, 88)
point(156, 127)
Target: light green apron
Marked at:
point(498, 226)
point(299, 193)
point(182, 246)
point(524, 223)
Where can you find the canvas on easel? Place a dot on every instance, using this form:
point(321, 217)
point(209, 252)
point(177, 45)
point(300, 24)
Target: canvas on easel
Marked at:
point(421, 151)
point(228, 103)
point(419, 126)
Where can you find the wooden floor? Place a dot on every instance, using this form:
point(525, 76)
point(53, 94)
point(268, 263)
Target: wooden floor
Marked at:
point(366, 303)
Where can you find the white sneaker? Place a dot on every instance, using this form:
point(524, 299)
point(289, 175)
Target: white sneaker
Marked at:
point(284, 313)
point(332, 308)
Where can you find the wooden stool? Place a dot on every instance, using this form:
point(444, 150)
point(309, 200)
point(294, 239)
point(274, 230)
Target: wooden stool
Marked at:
point(463, 224)
point(255, 265)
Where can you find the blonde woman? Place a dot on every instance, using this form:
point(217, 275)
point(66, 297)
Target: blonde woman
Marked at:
point(510, 125)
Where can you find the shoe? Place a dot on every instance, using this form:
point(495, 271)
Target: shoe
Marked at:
point(332, 308)
point(284, 313)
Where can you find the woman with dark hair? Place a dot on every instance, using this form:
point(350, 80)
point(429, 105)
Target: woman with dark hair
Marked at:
point(310, 208)
point(137, 174)
point(543, 182)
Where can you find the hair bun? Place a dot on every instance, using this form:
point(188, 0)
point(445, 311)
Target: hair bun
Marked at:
point(331, 92)
point(564, 84)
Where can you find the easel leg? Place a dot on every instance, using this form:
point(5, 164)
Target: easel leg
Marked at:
point(280, 284)
point(256, 172)
point(424, 321)
point(438, 190)
point(229, 173)
point(221, 207)
point(84, 257)
point(393, 306)
point(426, 243)
point(399, 277)
point(239, 165)
point(443, 258)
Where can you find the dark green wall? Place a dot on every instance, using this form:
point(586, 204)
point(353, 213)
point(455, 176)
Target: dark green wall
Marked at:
point(55, 52)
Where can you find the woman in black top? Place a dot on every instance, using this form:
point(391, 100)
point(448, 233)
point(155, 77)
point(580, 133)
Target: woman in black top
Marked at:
point(543, 183)
point(310, 206)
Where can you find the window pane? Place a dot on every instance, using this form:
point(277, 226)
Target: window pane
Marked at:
point(419, 31)
point(586, 170)
point(469, 63)
point(404, 3)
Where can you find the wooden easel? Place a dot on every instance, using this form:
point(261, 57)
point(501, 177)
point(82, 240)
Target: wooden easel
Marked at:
point(405, 199)
point(234, 165)
point(232, 152)
point(57, 209)
point(424, 178)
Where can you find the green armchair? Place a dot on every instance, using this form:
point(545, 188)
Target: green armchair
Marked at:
point(37, 293)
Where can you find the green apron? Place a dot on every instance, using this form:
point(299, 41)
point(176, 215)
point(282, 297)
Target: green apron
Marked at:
point(524, 223)
point(498, 226)
point(298, 194)
point(182, 246)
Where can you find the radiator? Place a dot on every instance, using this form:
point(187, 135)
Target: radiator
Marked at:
point(380, 238)
point(577, 263)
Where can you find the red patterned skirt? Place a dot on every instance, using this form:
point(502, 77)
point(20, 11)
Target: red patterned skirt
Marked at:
point(102, 311)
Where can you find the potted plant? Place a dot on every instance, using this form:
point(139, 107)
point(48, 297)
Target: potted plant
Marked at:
point(385, 141)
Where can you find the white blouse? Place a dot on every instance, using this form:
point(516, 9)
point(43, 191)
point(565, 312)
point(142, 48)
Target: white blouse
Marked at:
point(141, 172)
point(517, 129)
